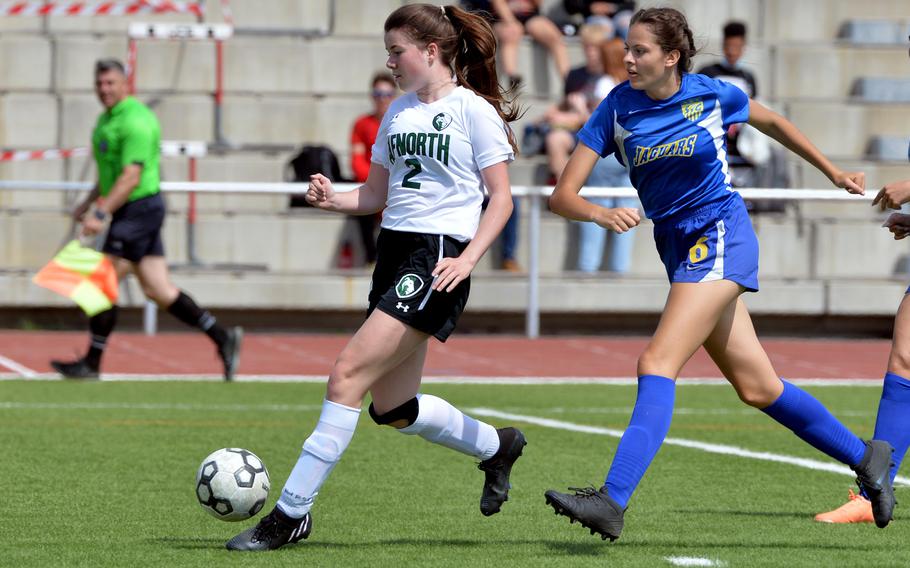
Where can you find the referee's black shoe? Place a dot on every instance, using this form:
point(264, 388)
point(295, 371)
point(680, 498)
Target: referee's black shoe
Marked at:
point(498, 468)
point(229, 351)
point(593, 508)
point(273, 531)
point(78, 369)
point(873, 475)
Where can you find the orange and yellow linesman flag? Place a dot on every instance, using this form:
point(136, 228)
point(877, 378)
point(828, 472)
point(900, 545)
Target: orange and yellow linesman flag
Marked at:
point(82, 274)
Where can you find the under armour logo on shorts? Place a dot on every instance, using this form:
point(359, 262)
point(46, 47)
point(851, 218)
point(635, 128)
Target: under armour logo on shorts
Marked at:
point(402, 307)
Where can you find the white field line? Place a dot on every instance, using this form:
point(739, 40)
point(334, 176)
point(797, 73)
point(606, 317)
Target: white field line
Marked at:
point(489, 380)
point(691, 444)
point(546, 422)
point(20, 370)
point(693, 561)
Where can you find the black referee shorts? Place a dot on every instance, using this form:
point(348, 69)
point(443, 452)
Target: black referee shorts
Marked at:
point(135, 230)
point(402, 279)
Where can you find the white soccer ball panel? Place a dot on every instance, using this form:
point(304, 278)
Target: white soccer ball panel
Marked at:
point(232, 484)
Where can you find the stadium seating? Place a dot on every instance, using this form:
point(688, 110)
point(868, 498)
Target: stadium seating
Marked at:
point(873, 31)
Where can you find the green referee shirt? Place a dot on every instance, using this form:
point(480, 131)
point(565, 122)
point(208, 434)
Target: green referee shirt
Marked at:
point(127, 134)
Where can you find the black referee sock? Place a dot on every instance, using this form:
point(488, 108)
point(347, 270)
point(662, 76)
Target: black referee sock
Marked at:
point(186, 310)
point(100, 326)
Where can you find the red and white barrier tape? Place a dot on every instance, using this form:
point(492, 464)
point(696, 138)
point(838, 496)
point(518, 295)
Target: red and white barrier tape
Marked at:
point(82, 8)
point(27, 155)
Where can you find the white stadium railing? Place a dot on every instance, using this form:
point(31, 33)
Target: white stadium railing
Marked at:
point(532, 317)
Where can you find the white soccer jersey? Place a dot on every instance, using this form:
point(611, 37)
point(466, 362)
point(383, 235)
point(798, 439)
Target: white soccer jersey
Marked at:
point(434, 153)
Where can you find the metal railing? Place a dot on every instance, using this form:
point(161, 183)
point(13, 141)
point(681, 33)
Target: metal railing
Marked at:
point(534, 194)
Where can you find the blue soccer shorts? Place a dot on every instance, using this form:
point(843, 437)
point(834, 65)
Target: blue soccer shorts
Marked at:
point(714, 242)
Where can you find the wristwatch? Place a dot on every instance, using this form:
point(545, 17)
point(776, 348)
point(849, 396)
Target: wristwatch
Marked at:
point(102, 216)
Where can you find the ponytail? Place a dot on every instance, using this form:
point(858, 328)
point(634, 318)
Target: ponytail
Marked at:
point(467, 44)
point(474, 64)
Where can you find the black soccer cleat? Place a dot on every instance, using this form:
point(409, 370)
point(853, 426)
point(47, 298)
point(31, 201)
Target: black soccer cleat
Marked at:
point(273, 531)
point(229, 351)
point(593, 508)
point(873, 475)
point(78, 369)
point(497, 469)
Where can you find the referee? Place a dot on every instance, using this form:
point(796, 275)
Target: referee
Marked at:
point(126, 147)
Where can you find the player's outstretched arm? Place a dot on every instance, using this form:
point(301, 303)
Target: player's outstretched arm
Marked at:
point(566, 202)
point(893, 195)
point(785, 132)
point(452, 270)
point(367, 199)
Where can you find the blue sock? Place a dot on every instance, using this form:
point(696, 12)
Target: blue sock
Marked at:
point(641, 440)
point(893, 422)
point(807, 418)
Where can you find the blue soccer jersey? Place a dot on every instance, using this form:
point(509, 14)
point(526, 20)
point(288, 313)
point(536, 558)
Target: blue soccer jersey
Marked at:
point(675, 148)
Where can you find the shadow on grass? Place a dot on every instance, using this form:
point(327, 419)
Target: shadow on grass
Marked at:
point(565, 547)
point(557, 546)
point(651, 544)
point(773, 514)
point(190, 543)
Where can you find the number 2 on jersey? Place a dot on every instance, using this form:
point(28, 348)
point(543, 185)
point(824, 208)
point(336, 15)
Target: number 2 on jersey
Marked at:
point(414, 164)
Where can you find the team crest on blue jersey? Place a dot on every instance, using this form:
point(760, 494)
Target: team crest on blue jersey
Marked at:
point(409, 285)
point(441, 120)
point(692, 109)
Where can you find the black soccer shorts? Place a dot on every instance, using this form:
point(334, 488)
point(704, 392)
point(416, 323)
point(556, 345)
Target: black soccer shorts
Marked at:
point(403, 276)
point(135, 230)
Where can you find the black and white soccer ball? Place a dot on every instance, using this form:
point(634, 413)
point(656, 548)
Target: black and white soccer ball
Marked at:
point(232, 484)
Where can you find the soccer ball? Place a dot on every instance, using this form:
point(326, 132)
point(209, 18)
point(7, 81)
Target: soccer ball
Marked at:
point(232, 484)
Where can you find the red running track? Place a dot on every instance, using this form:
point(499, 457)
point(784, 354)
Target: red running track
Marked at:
point(461, 356)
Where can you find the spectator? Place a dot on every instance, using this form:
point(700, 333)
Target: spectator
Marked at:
point(753, 163)
point(509, 241)
point(608, 172)
point(731, 71)
point(126, 204)
point(363, 136)
point(511, 19)
point(564, 120)
point(597, 12)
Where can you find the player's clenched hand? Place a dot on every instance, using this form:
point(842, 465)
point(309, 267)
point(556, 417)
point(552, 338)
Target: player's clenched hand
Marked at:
point(620, 219)
point(853, 182)
point(320, 190)
point(893, 195)
point(899, 225)
point(450, 271)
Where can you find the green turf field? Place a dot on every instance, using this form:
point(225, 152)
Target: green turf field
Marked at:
point(102, 474)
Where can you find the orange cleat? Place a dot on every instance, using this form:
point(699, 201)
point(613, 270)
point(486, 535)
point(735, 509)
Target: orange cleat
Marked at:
point(857, 510)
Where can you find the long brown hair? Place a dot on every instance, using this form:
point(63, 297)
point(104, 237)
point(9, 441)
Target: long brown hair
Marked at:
point(467, 44)
point(671, 29)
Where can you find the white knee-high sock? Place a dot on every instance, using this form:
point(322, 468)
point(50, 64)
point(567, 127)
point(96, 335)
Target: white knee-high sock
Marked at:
point(441, 423)
point(321, 451)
